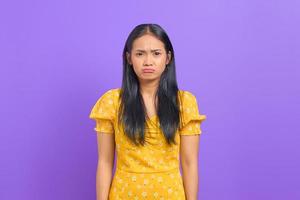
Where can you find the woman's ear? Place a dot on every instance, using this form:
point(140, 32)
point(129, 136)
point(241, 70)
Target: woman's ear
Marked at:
point(169, 56)
point(128, 58)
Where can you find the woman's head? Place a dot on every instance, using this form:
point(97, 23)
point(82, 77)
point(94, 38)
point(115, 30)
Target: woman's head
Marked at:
point(147, 54)
point(149, 48)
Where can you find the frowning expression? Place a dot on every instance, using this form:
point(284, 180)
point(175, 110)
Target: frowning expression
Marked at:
point(148, 57)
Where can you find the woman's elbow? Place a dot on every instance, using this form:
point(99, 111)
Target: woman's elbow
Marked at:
point(189, 161)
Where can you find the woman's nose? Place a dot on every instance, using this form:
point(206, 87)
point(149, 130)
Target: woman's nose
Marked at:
point(148, 60)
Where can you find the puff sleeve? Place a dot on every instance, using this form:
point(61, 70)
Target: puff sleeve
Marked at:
point(103, 112)
point(191, 118)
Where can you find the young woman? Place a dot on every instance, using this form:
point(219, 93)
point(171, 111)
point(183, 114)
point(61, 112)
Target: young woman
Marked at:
point(152, 125)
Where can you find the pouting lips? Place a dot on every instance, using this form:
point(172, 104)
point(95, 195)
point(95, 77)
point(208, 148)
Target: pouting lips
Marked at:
point(148, 70)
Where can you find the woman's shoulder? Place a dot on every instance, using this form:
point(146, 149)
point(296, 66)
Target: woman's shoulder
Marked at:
point(110, 93)
point(189, 108)
point(186, 92)
point(108, 98)
point(105, 106)
point(186, 96)
point(187, 100)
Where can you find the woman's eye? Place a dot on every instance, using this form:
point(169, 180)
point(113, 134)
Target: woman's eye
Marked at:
point(138, 54)
point(157, 53)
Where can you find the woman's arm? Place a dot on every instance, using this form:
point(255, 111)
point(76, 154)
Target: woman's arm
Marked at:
point(106, 149)
point(189, 163)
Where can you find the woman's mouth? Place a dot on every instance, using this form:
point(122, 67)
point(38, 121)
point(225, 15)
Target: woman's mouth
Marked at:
point(148, 70)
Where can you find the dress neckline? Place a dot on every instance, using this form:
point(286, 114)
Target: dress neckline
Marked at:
point(152, 117)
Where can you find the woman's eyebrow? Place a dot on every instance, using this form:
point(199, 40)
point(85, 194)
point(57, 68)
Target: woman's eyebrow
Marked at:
point(141, 50)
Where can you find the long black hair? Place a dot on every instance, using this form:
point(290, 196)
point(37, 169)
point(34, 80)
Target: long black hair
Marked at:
point(132, 110)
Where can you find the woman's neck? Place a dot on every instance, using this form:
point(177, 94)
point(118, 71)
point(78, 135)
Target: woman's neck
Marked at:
point(148, 89)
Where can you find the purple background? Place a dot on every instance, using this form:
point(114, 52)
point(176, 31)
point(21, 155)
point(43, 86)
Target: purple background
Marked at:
point(240, 58)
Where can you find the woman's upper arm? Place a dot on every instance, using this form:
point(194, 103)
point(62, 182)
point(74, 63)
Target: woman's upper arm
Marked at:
point(106, 147)
point(103, 112)
point(189, 146)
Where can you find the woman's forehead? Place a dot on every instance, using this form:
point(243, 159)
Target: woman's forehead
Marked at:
point(147, 42)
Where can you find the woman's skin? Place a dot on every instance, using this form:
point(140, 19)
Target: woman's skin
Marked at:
point(148, 52)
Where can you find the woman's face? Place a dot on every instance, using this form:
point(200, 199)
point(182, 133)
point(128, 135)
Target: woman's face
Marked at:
point(148, 57)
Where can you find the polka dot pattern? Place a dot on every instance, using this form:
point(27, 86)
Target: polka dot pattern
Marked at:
point(191, 119)
point(150, 171)
point(163, 185)
point(103, 113)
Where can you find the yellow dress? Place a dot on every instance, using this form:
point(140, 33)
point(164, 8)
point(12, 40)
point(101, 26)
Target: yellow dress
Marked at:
point(151, 171)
